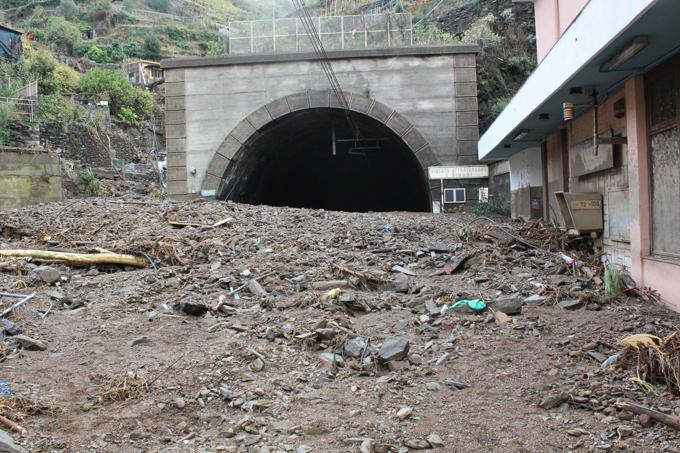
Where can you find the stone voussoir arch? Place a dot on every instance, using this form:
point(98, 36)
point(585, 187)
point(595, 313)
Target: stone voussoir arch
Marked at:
point(235, 143)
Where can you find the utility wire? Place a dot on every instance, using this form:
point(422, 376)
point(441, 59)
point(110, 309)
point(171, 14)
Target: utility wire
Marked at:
point(317, 44)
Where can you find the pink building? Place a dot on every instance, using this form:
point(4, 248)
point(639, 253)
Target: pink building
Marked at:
point(600, 115)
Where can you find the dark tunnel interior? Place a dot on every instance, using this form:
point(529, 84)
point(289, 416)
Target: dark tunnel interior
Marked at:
point(291, 162)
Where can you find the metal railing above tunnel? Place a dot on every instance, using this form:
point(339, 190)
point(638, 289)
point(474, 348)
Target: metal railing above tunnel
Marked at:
point(335, 32)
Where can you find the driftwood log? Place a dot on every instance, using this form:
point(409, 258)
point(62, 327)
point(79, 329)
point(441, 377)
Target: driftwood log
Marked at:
point(79, 259)
point(668, 420)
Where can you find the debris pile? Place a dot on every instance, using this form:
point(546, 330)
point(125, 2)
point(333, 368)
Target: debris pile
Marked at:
point(261, 329)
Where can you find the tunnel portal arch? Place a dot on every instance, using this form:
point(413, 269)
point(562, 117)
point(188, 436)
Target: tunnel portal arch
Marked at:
point(260, 160)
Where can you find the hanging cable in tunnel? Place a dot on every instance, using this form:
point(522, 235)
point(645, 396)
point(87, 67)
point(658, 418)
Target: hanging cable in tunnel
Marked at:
point(312, 32)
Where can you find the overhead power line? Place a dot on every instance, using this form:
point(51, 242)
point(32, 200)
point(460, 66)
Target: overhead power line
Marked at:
point(317, 44)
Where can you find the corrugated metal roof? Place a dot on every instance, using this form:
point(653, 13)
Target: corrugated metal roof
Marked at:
point(5, 27)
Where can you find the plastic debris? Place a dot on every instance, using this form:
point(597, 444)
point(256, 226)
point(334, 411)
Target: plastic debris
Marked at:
point(477, 305)
point(332, 294)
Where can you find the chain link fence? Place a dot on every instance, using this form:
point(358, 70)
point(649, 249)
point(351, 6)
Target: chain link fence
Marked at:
point(336, 33)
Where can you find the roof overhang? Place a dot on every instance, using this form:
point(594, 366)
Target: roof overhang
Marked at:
point(602, 31)
point(12, 30)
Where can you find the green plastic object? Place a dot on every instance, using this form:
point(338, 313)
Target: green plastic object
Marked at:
point(475, 304)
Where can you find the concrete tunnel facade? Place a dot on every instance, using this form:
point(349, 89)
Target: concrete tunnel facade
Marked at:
point(259, 129)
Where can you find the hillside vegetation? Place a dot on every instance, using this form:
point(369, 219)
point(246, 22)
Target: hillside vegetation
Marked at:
point(61, 34)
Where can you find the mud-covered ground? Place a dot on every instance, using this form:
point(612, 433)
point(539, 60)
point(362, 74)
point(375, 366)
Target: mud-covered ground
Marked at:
point(189, 354)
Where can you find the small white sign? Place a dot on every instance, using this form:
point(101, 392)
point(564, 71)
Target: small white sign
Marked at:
point(462, 172)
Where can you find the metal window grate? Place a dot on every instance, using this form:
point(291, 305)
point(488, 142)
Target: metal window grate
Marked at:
point(336, 32)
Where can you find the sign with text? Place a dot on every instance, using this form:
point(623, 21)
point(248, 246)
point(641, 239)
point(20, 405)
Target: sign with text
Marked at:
point(462, 172)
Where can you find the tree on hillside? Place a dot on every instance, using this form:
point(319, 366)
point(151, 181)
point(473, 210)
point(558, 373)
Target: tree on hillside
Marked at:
point(129, 104)
point(68, 9)
point(151, 47)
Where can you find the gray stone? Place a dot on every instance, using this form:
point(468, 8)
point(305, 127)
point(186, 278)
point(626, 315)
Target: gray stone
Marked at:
point(403, 270)
point(180, 403)
point(417, 444)
point(570, 304)
point(30, 344)
point(432, 308)
point(443, 359)
point(400, 284)
point(535, 299)
point(433, 386)
point(137, 341)
point(510, 305)
point(226, 394)
point(329, 358)
point(415, 359)
point(355, 347)
point(393, 349)
point(435, 440)
point(401, 325)
point(326, 333)
point(257, 365)
point(191, 308)
point(47, 274)
point(255, 288)
point(7, 444)
point(597, 356)
point(9, 327)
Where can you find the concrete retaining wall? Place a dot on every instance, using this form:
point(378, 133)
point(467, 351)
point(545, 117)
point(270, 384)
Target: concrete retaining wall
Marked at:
point(28, 178)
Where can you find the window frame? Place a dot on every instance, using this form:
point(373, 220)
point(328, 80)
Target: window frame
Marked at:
point(671, 68)
point(455, 190)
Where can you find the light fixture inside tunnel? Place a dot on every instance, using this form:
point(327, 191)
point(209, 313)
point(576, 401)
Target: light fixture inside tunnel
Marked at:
point(309, 160)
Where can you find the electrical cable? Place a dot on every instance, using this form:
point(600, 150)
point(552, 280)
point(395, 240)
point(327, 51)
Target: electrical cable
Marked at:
point(317, 44)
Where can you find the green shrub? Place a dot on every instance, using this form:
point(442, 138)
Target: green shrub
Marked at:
point(53, 77)
point(613, 286)
point(495, 206)
point(89, 182)
point(218, 47)
point(151, 49)
point(13, 75)
point(55, 108)
point(499, 105)
point(113, 53)
point(128, 103)
point(178, 33)
point(63, 34)
point(7, 119)
point(133, 50)
point(481, 33)
point(429, 33)
point(68, 9)
point(163, 6)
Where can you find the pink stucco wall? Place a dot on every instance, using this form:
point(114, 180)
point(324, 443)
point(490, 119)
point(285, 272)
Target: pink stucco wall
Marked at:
point(553, 17)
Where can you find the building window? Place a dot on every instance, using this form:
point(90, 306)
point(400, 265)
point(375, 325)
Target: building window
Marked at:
point(454, 195)
point(663, 93)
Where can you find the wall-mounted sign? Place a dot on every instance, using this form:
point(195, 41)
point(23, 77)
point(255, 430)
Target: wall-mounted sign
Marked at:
point(461, 172)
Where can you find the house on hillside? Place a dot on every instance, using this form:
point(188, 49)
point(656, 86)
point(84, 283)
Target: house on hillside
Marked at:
point(144, 72)
point(10, 43)
point(594, 133)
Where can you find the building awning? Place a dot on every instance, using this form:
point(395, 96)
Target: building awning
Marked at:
point(604, 30)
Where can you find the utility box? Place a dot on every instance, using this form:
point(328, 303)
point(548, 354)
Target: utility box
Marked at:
point(582, 212)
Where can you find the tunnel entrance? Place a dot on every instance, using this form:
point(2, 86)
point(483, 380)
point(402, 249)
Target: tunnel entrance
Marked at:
point(293, 162)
